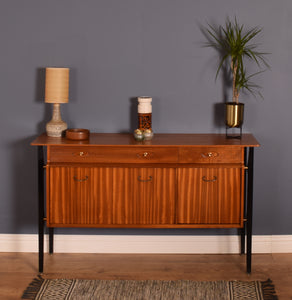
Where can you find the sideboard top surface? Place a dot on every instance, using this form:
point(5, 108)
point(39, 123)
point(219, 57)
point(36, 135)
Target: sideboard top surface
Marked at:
point(159, 139)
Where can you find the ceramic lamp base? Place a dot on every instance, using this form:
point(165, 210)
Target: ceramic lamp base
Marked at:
point(55, 129)
point(56, 126)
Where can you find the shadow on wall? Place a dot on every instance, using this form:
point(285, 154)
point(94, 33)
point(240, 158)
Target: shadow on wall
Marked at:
point(225, 78)
point(133, 120)
point(24, 169)
point(40, 98)
point(133, 114)
point(219, 114)
point(219, 107)
point(24, 185)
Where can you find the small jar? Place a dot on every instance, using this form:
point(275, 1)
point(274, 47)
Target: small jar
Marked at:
point(144, 113)
point(138, 135)
point(148, 134)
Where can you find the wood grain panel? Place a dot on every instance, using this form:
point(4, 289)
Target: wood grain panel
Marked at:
point(210, 196)
point(143, 196)
point(79, 196)
point(165, 191)
point(162, 139)
point(110, 196)
point(211, 155)
point(85, 154)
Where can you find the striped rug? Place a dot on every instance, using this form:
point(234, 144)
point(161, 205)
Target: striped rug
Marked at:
point(80, 289)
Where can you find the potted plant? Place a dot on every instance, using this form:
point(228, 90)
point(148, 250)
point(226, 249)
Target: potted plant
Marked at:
point(235, 46)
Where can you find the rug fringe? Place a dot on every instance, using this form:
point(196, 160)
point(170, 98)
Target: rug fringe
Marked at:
point(268, 289)
point(33, 288)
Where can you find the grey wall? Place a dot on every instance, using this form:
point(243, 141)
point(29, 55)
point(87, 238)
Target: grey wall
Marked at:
point(118, 50)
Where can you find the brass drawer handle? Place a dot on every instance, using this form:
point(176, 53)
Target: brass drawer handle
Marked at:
point(209, 154)
point(80, 180)
point(144, 180)
point(82, 154)
point(209, 180)
point(145, 155)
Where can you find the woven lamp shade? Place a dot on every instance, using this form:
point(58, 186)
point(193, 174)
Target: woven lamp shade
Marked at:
point(57, 85)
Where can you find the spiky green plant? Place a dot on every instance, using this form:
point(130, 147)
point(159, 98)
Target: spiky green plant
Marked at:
point(234, 43)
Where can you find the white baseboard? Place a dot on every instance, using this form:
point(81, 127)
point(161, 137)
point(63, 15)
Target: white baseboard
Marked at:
point(215, 244)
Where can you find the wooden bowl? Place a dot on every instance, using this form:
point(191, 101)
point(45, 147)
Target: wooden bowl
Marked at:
point(77, 134)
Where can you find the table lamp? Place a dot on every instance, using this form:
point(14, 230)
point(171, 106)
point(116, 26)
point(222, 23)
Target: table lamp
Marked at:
point(56, 92)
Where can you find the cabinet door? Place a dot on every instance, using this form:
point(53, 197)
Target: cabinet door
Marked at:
point(101, 196)
point(143, 196)
point(79, 196)
point(210, 196)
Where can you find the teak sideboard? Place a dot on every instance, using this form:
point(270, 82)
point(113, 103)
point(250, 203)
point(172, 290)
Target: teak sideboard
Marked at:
point(172, 181)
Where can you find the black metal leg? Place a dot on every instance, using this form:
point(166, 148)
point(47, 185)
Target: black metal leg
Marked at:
point(242, 231)
point(51, 240)
point(232, 136)
point(249, 208)
point(41, 206)
point(41, 248)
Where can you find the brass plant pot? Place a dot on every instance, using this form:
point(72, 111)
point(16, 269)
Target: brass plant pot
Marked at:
point(234, 114)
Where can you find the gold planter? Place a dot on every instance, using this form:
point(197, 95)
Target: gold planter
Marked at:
point(234, 114)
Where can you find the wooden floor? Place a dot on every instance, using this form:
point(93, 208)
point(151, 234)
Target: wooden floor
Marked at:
point(18, 269)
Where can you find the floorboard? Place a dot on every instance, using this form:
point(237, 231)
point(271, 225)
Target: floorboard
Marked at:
point(18, 269)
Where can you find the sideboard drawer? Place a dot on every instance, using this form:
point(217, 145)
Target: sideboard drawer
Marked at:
point(211, 155)
point(83, 154)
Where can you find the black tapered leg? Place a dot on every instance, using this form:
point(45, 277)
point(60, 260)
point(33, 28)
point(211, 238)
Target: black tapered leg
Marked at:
point(249, 208)
point(41, 206)
point(242, 231)
point(51, 240)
